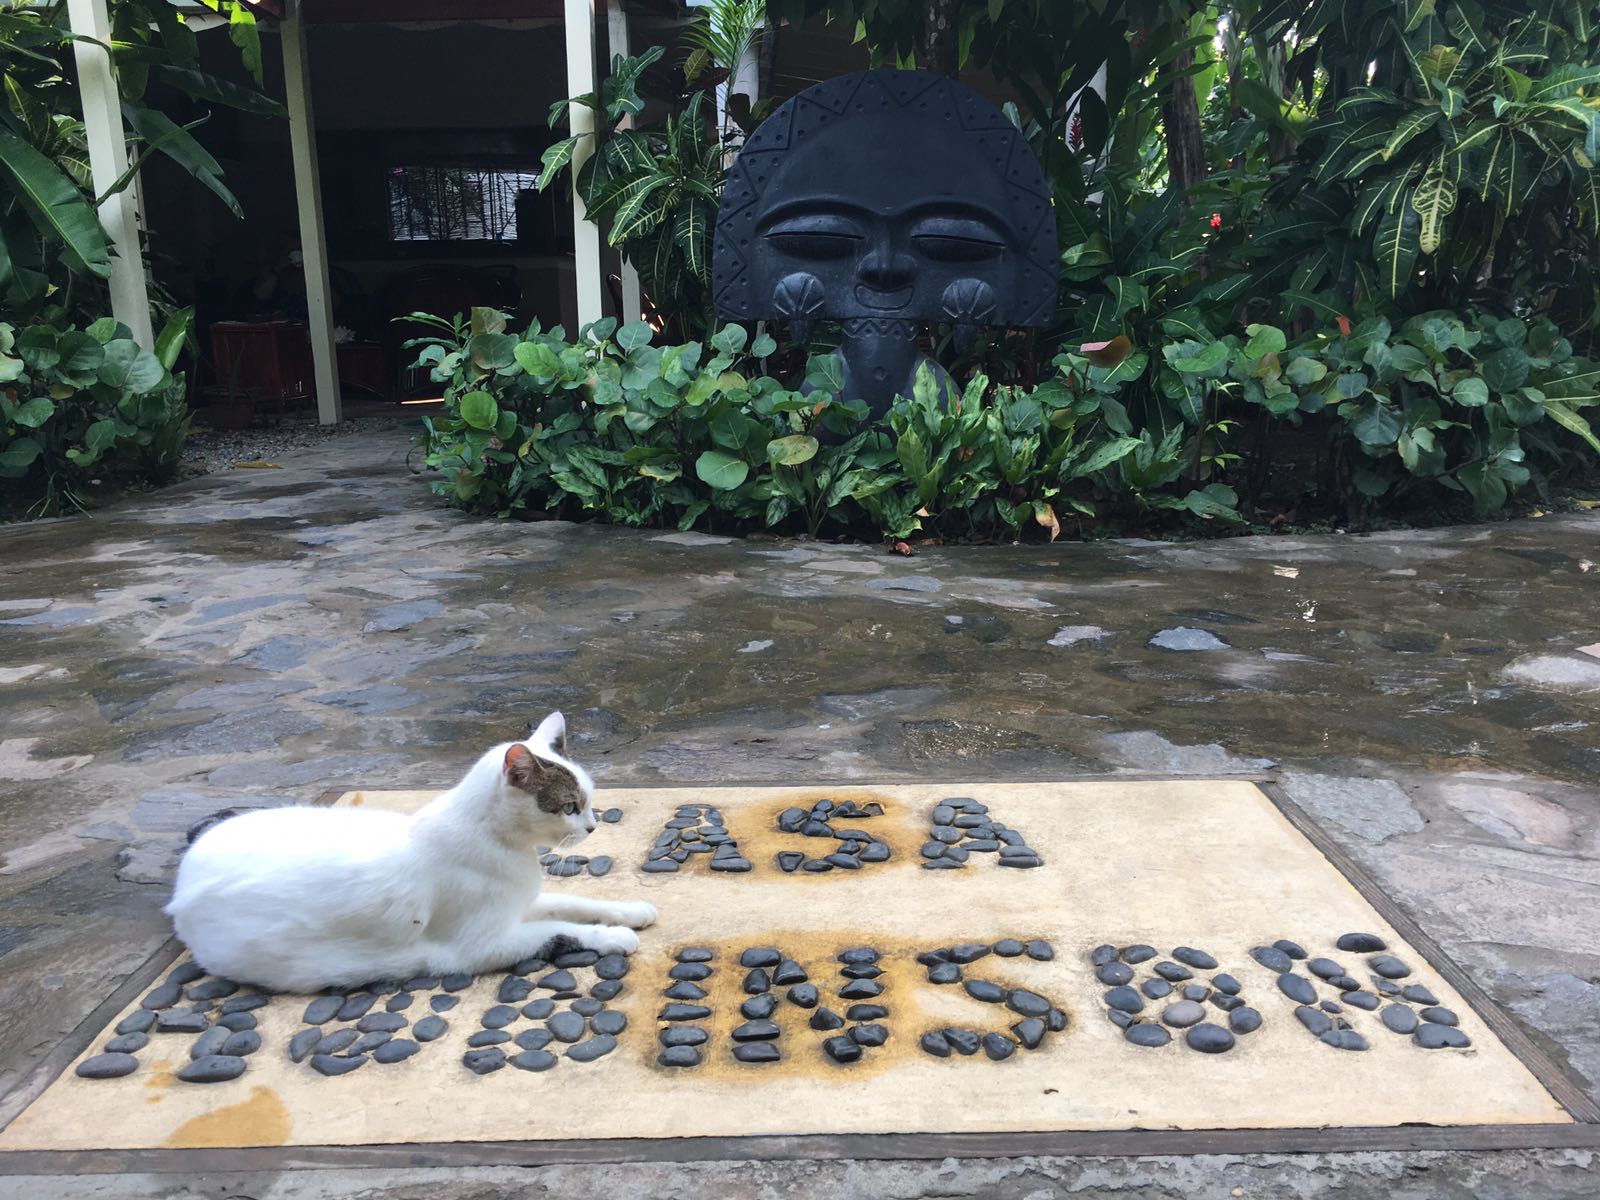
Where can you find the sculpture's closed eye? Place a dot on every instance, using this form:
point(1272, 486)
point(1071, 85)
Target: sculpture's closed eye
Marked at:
point(956, 239)
point(816, 235)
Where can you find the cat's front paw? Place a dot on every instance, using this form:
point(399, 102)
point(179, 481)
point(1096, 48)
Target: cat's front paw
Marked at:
point(635, 915)
point(610, 939)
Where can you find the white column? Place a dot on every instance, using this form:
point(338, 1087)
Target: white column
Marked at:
point(308, 202)
point(108, 160)
point(579, 18)
point(617, 39)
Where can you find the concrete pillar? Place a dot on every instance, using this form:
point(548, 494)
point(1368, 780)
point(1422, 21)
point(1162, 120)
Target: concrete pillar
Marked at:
point(617, 39)
point(108, 162)
point(308, 203)
point(579, 20)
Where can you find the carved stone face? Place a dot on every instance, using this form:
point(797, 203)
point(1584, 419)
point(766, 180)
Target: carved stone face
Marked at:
point(887, 194)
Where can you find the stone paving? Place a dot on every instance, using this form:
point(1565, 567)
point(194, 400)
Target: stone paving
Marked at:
point(255, 637)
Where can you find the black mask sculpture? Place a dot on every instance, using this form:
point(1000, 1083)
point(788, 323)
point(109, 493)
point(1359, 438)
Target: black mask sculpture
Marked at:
point(882, 200)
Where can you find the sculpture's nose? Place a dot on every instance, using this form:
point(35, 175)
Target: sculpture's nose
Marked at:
point(885, 270)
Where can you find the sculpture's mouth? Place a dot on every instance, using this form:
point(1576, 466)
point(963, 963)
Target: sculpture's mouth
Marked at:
point(883, 301)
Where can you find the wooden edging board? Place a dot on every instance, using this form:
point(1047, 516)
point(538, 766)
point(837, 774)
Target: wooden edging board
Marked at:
point(1583, 1132)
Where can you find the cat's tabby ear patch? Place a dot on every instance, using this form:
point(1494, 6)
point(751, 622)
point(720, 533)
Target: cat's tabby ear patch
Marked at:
point(521, 767)
point(552, 732)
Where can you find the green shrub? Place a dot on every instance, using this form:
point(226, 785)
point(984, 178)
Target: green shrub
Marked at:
point(90, 404)
point(617, 428)
point(1467, 403)
point(639, 434)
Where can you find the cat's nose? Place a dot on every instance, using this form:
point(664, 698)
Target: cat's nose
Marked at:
point(588, 821)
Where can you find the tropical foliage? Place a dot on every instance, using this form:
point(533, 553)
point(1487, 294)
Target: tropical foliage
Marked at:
point(54, 255)
point(87, 407)
point(615, 427)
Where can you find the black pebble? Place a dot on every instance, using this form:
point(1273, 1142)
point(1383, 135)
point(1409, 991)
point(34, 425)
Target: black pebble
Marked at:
point(561, 981)
point(302, 1043)
point(1437, 1037)
point(611, 816)
point(397, 1003)
point(759, 1008)
point(209, 1042)
point(108, 1066)
point(1124, 999)
point(967, 952)
point(1297, 988)
point(514, 989)
point(356, 1006)
point(1040, 950)
point(685, 991)
point(866, 989)
point(1147, 1035)
point(587, 1008)
point(533, 1060)
point(1272, 958)
point(609, 1022)
point(1440, 1016)
point(322, 1010)
point(1418, 994)
point(481, 1062)
point(386, 1022)
point(185, 973)
point(804, 995)
point(1209, 1039)
point(424, 983)
point(538, 1010)
point(684, 1012)
point(567, 1026)
point(489, 1037)
point(599, 865)
point(216, 1068)
point(1137, 953)
point(339, 1039)
point(1199, 959)
point(329, 1064)
point(457, 981)
point(499, 1016)
point(164, 996)
point(248, 1003)
point(1292, 949)
point(1364, 1000)
point(1103, 954)
point(936, 1045)
point(1325, 968)
point(172, 1021)
point(757, 1052)
point(395, 1050)
point(1008, 947)
point(1389, 966)
point(443, 1003)
point(1029, 1032)
point(945, 972)
point(842, 1049)
point(1226, 984)
point(137, 1022)
point(1362, 943)
point(1156, 989)
point(1114, 974)
point(1226, 1002)
point(869, 1035)
point(760, 957)
point(595, 1047)
point(212, 989)
point(127, 1043)
point(826, 1018)
point(612, 966)
point(1028, 1004)
point(1195, 991)
point(1344, 1039)
point(962, 1041)
point(241, 1043)
point(788, 972)
point(534, 1039)
point(429, 1028)
point(606, 989)
point(1244, 1020)
point(756, 1031)
point(1172, 972)
point(683, 1035)
point(679, 1056)
point(1313, 1020)
point(998, 1046)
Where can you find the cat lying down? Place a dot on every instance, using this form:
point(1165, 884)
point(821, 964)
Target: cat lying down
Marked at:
point(298, 899)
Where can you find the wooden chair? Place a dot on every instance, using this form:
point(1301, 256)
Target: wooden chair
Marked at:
point(267, 364)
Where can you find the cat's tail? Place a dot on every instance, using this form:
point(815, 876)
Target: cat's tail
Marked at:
point(205, 823)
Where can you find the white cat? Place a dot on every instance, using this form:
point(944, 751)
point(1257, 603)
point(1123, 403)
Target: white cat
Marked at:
point(298, 899)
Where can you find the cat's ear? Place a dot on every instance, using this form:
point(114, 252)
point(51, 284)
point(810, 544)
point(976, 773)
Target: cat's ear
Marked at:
point(521, 767)
point(552, 732)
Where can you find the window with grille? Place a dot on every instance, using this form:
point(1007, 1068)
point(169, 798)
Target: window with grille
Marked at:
point(455, 204)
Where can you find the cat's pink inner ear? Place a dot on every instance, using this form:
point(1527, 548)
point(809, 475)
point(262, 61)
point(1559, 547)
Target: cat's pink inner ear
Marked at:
point(520, 766)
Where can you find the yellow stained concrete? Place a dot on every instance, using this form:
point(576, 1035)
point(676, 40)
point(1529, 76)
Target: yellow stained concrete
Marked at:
point(1210, 864)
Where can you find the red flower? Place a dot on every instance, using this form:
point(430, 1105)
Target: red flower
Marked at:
point(1075, 133)
point(1216, 220)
